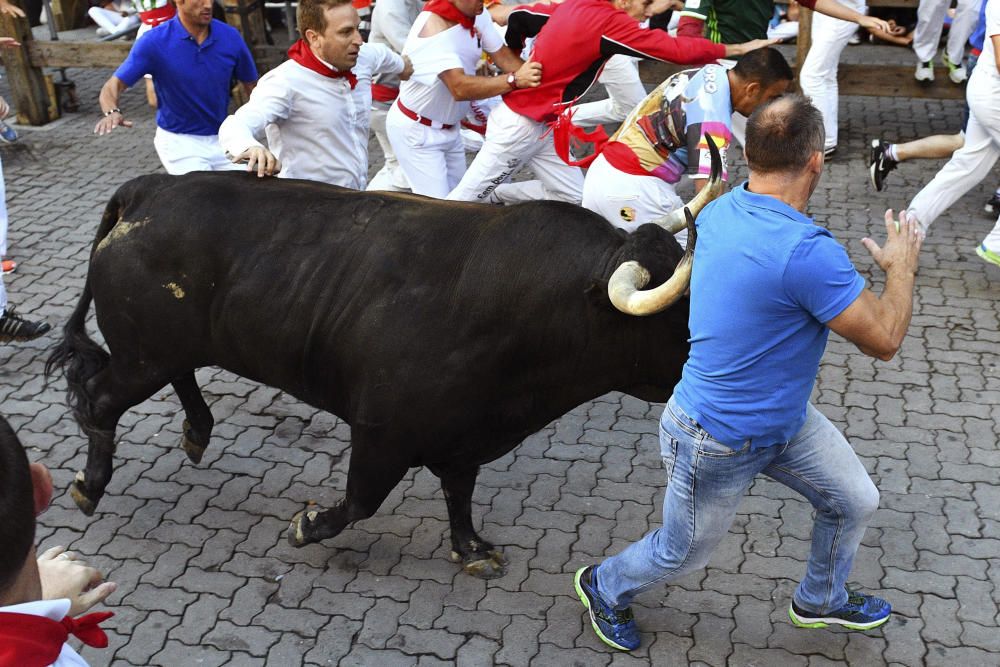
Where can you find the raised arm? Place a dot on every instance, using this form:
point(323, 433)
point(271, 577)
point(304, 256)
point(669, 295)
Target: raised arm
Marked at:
point(878, 324)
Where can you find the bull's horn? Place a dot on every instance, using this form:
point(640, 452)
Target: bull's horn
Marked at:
point(626, 283)
point(625, 287)
point(674, 221)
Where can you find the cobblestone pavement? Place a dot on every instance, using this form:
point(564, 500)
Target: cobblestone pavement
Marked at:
point(206, 577)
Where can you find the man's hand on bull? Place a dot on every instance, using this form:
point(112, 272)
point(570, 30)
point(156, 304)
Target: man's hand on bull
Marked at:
point(746, 47)
point(259, 159)
point(529, 75)
point(110, 121)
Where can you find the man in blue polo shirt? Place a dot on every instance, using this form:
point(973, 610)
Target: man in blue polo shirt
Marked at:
point(766, 288)
point(192, 59)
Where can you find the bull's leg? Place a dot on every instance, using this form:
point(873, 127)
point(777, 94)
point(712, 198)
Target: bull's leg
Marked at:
point(478, 557)
point(372, 474)
point(198, 420)
point(109, 398)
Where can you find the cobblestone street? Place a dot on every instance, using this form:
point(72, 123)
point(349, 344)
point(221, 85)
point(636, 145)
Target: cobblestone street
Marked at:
point(205, 575)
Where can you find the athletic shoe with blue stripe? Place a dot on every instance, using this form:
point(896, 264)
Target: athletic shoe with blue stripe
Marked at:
point(861, 612)
point(614, 627)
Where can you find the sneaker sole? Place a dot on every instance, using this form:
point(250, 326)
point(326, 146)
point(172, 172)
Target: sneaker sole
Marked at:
point(798, 621)
point(872, 170)
point(593, 621)
point(982, 253)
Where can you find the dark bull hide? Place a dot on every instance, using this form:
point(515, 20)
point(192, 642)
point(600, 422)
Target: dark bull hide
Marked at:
point(444, 333)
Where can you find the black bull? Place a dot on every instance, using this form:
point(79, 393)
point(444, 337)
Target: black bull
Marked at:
point(444, 333)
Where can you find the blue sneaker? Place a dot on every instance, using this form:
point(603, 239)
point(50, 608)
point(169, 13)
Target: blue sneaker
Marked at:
point(861, 612)
point(7, 134)
point(614, 627)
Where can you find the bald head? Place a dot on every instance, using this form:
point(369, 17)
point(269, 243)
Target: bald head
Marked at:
point(782, 135)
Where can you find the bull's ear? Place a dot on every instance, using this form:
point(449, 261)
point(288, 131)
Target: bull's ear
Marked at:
point(597, 293)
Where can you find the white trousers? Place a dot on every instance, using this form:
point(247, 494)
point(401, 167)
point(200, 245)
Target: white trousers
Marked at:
point(627, 200)
point(112, 21)
point(930, 23)
point(181, 153)
point(971, 163)
point(513, 141)
point(818, 77)
point(390, 176)
point(433, 159)
point(625, 90)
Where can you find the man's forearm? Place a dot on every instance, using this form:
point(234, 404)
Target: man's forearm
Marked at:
point(110, 94)
point(507, 60)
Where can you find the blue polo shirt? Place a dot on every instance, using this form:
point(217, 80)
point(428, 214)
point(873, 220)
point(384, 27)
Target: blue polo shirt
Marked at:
point(192, 80)
point(765, 282)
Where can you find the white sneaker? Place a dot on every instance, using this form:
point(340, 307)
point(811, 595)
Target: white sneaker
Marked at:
point(925, 72)
point(103, 32)
point(956, 73)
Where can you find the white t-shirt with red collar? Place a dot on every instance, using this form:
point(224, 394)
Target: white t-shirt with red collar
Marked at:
point(55, 610)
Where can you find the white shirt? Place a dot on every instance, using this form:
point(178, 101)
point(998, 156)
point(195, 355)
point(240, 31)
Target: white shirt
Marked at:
point(391, 22)
point(454, 48)
point(316, 125)
point(55, 610)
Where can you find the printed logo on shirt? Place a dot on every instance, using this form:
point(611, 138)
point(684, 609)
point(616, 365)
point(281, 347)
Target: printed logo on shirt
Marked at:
point(627, 213)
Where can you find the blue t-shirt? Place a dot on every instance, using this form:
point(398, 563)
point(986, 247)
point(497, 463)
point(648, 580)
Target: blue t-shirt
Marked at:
point(979, 34)
point(191, 80)
point(765, 282)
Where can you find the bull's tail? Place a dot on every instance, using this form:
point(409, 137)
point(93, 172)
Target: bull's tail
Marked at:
point(77, 355)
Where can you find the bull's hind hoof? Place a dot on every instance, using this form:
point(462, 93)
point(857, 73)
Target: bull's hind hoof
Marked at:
point(493, 567)
point(193, 450)
point(78, 493)
point(298, 530)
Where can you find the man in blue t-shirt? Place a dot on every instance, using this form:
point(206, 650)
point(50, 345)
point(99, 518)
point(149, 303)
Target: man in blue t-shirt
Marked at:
point(193, 60)
point(766, 288)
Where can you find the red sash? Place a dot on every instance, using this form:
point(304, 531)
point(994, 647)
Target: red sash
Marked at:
point(155, 17)
point(566, 135)
point(303, 55)
point(384, 93)
point(450, 12)
point(27, 640)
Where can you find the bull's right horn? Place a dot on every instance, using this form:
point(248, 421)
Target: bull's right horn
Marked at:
point(675, 221)
point(626, 283)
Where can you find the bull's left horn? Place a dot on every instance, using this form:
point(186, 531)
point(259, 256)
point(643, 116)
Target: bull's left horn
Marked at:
point(675, 221)
point(626, 283)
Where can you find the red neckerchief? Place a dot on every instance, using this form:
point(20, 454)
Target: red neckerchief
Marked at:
point(450, 12)
point(27, 640)
point(303, 55)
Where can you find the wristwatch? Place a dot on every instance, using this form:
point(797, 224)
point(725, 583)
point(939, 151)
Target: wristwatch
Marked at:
point(512, 81)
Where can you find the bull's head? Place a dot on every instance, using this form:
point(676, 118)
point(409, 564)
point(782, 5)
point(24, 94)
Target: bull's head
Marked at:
point(626, 283)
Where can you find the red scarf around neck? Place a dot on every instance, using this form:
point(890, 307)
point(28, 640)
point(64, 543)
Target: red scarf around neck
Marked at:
point(450, 12)
point(27, 640)
point(303, 55)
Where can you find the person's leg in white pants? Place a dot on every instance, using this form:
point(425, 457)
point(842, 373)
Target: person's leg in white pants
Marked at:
point(390, 177)
point(966, 17)
point(930, 22)
point(819, 72)
point(970, 163)
point(625, 90)
point(512, 141)
point(432, 159)
point(183, 153)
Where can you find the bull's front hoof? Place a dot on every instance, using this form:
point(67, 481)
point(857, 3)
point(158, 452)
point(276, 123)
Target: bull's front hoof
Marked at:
point(299, 530)
point(193, 450)
point(78, 492)
point(493, 566)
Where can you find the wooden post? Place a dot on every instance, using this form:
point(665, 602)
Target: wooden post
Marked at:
point(69, 14)
point(33, 96)
point(247, 17)
point(804, 40)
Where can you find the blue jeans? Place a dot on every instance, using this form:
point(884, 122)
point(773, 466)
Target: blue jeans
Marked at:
point(706, 481)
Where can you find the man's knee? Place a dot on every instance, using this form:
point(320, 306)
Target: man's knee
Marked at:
point(862, 505)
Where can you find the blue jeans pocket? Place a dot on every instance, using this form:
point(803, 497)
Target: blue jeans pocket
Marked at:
point(709, 446)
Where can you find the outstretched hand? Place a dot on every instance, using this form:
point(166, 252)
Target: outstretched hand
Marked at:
point(902, 245)
point(259, 159)
point(65, 575)
point(12, 10)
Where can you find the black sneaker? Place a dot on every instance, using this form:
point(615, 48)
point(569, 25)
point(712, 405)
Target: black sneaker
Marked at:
point(15, 327)
point(879, 163)
point(992, 207)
